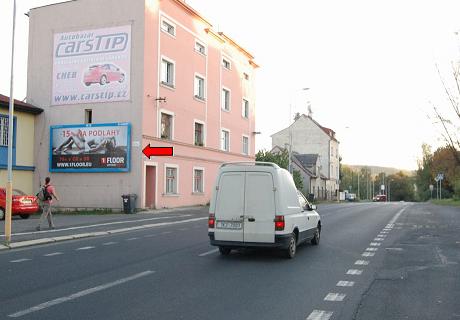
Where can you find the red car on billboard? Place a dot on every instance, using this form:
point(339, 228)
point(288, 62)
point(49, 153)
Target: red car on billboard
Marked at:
point(23, 205)
point(103, 74)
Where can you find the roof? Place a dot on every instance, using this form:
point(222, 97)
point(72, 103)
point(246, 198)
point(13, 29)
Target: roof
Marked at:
point(19, 105)
point(329, 132)
point(307, 160)
point(302, 167)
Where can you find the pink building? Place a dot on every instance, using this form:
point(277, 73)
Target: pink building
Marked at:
point(157, 70)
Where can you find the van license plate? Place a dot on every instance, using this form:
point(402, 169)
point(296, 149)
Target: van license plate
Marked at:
point(228, 225)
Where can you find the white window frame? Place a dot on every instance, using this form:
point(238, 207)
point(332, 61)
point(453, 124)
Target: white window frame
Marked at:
point(243, 106)
point(4, 130)
point(171, 24)
point(226, 59)
point(165, 83)
point(200, 76)
point(202, 180)
point(200, 43)
point(203, 133)
point(242, 145)
point(222, 139)
point(172, 123)
point(172, 166)
point(222, 100)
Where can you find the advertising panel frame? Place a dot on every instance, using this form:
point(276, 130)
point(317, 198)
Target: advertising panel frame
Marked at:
point(95, 170)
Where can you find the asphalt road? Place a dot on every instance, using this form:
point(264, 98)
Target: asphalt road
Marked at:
point(375, 261)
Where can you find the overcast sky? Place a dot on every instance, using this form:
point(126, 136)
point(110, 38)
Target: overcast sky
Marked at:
point(370, 66)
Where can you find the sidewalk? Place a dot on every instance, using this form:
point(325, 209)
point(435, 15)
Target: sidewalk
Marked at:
point(74, 226)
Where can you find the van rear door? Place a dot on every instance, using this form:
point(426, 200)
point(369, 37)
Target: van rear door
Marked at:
point(230, 207)
point(259, 208)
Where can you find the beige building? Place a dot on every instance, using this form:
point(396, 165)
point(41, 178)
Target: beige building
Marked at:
point(308, 137)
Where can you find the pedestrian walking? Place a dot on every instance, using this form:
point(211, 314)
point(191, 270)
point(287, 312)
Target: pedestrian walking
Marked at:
point(46, 194)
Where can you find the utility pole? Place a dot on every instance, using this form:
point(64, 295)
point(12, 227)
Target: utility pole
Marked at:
point(359, 196)
point(9, 185)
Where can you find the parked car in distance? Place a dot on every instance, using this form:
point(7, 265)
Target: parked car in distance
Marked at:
point(351, 196)
point(103, 74)
point(23, 205)
point(256, 204)
point(380, 198)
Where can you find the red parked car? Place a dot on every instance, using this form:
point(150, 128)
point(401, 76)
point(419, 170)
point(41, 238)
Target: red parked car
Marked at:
point(23, 205)
point(380, 198)
point(103, 74)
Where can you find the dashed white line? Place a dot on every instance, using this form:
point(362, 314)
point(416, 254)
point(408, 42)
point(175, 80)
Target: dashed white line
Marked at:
point(79, 294)
point(109, 243)
point(368, 254)
point(53, 254)
point(131, 239)
point(379, 239)
point(345, 283)
point(362, 262)
point(334, 296)
point(372, 249)
point(320, 315)
point(85, 248)
point(19, 260)
point(209, 252)
point(151, 235)
point(356, 272)
point(375, 244)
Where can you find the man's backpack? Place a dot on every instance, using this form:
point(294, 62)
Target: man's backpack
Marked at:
point(43, 194)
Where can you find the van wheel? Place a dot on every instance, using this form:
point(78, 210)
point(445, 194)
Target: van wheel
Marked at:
point(2, 214)
point(224, 251)
point(25, 216)
point(316, 237)
point(292, 247)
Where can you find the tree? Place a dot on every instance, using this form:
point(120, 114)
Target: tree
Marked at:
point(282, 160)
point(424, 176)
point(401, 187)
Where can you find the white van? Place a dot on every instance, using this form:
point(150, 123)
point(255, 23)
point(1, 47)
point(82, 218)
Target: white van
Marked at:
point(256, 204)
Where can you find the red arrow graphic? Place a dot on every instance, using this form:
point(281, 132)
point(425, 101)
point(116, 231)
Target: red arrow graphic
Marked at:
point(149, 151)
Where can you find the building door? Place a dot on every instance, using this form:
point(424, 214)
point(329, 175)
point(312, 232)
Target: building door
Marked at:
point(150, 186)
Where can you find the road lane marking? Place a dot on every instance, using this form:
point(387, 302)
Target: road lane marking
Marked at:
point(320, 315)
point(393, 220)
point(355, 272)
point(375, 244)
point(362, 262)
point(19, 260)
point(345, 283)
point(112, 223)
point(379, 239)
point(166, 232)
point(131, 239)
point(53, 254)
point(394, 249)
point(368, 254)
point(209, 252)
point(79, 294)
point(109, 243)
point(372, 249)
point(85, 248)
point(333, 296)
point(151, 235)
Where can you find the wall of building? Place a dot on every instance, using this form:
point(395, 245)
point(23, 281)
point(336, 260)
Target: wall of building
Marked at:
point(85, 189)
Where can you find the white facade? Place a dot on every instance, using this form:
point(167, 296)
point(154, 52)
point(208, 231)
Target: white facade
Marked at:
point(309, 137)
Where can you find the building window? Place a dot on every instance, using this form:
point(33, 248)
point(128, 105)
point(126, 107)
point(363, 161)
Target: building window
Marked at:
point(167, 73)
point(88, 116)
point(225, 143)
point(166, 126)
point(245, 108)
point(168, 27)
point(199, 87)
point(198, 181)
point(226, 99)
point(226, 64)
point(200, 48)
point(245, 145)
point(171, 180)
point(3, 131)
point(199, 134)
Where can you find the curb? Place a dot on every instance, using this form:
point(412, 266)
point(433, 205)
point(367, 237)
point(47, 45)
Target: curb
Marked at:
point(29, 243)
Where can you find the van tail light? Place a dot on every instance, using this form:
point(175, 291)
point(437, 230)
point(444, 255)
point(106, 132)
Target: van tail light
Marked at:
point(211, 221)
point(279, 223)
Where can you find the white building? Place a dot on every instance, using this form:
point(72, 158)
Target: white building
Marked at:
point(306, 136)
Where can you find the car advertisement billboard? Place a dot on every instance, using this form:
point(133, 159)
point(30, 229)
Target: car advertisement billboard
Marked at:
point(90, 148)
point(92, 66)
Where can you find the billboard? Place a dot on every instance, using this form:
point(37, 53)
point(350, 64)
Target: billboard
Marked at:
point(92, 66)
point(90, 148)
